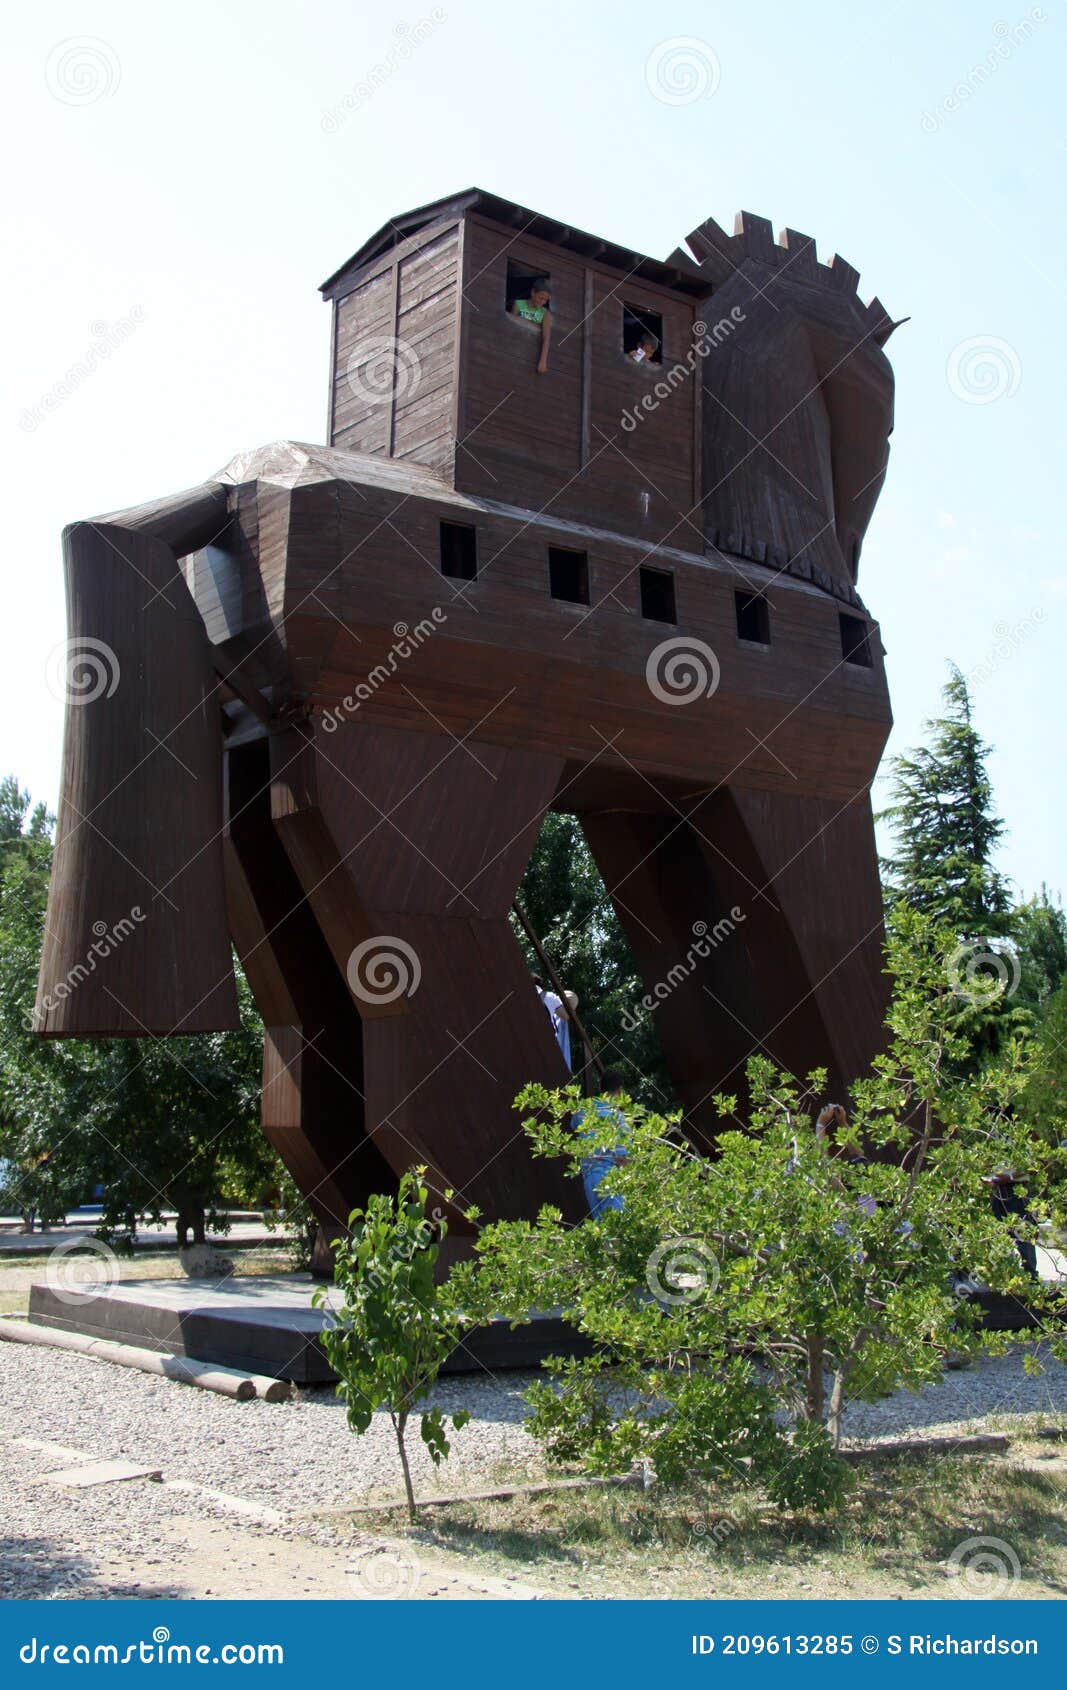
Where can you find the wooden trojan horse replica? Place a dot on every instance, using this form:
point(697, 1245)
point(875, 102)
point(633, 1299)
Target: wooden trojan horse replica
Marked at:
point(321, 704)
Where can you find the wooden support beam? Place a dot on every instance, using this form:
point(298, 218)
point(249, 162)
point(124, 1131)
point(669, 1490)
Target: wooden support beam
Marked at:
point(243, 688)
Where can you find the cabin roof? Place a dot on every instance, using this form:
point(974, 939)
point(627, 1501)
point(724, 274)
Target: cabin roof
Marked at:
point(677, 272)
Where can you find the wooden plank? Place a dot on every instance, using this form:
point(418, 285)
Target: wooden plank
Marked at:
point(587, 369)
point(333, 372)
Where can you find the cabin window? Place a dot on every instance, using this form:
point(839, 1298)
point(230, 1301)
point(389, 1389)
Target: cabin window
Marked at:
point(657, 595)
point(855, 641)
point(568, 575)
point(639, 328)
point(520, 279)
point(753, 618)
point(459, 551)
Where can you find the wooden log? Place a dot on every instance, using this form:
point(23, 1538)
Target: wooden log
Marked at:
point(980, 1443)
point(224, 1381)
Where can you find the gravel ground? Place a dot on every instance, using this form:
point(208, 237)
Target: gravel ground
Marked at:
point(296, 1457)
point(289, 1457)
point(990, 1389)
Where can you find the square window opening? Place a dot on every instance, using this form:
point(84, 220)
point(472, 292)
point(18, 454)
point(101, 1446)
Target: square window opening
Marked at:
point(753, 618)
point(855, 641)
point(522, 278)
point(657, 595)
point(642, 335)
point(568, 575)
point(459, 551)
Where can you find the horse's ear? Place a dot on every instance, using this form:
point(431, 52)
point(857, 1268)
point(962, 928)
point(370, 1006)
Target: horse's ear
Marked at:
point(136, 938)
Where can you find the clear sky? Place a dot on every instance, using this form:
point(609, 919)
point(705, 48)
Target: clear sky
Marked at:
point(180, 179)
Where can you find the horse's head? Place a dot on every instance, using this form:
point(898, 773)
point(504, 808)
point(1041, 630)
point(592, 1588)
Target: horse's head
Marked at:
point(798, 401)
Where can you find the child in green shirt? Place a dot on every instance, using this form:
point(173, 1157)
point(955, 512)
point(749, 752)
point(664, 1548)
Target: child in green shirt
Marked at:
point(537, 310)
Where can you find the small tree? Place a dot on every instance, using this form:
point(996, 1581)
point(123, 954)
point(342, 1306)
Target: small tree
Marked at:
point(946, 834)
point(44, 1088)
point(18, 822)
point(945, 825)
point(1045, 1098)
point(158, 1122)
point(287, 1208)
point(177, 1125)
point(1039, 929)
point(395, 1325)
point(736, 1305)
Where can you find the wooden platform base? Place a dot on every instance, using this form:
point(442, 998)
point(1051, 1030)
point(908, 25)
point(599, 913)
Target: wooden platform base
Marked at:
point(269, 1326)
point(1001, 1313)
point(264, 1325)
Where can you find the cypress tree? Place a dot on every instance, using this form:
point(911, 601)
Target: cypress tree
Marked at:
point(946, 831)
point(945, 827)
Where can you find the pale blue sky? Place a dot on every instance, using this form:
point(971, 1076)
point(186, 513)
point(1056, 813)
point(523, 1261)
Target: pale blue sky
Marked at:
point(179, 185)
